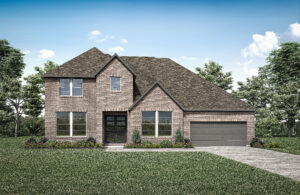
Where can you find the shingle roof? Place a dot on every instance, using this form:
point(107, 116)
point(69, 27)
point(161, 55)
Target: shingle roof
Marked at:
point(187, 88)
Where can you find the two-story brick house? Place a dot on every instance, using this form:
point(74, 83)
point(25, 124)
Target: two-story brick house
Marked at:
point(107, 97)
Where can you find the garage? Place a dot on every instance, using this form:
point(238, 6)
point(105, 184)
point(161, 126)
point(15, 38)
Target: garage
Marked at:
point(218, 133)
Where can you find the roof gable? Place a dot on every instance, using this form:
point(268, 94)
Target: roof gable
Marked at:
point(149, 90)
point(115, 56)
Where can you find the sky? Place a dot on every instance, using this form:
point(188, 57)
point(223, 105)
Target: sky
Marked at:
point(236, 34)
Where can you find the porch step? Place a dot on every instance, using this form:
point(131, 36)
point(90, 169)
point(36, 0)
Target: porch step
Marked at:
point(114, 146)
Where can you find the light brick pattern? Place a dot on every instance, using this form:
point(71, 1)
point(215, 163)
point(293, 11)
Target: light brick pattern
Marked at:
point(156, 100)
point(55, 103)
point(220, 117)
point(98, 100)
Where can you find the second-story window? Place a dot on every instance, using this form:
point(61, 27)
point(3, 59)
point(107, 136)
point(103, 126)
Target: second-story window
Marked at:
point(64, 87)
point(115, 83)
point(70, 87)
point(77, 87)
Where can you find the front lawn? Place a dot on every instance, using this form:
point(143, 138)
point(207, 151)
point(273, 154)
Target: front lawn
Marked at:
point(289, 144)
point(93, 171)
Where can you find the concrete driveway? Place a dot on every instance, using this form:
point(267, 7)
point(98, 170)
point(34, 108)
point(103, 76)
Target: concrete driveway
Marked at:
point(276, 162)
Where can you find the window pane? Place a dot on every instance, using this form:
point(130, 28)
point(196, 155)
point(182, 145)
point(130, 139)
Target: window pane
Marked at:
point(63, 123)
point(77, 87)
point(148, 123)
point(164, 123)
point(79, 123)
point(64, 87)
point(115, 83)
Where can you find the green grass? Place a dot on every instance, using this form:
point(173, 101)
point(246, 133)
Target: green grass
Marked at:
point(93, 171)
point(290, 144)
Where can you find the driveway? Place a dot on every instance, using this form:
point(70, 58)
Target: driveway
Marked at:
point(276, 162)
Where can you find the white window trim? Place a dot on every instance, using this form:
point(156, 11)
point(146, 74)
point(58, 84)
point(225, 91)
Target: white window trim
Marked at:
point(71, 88)
point(120, 84)
point(157, 122)
point(71, 126)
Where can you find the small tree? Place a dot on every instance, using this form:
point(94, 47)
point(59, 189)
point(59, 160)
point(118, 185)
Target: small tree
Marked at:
point(213, 72)
point(136, 138)
point(179, 137)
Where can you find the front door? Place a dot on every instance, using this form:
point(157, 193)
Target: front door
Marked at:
point(115, 128)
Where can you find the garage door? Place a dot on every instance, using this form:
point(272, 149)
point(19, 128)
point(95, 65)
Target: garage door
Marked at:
point(218, 133)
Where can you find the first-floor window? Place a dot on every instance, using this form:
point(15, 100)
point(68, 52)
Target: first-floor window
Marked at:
point(79, 124)
point(63, 123)
point(164, 123)
point(148, 123)
point(156, 123)
point(71, 123)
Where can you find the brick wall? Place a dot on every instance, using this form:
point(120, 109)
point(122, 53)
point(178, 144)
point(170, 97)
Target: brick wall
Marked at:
point(97, 98)
point(107, 100)
point(55, 103)
point(156, 100)
point(220, 116)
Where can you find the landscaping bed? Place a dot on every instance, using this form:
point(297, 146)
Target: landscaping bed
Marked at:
point(43, 142)
point(162, 144)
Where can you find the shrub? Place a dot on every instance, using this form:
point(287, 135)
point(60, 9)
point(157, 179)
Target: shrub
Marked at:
point(43, 140)
point(31, 140)
point(166, 144)
point(179, 137)
point(187, 141)
point(32, 126)
point(273, 145)
point(266, 127)
point(52, 143)
point(98, 145)
point(256, 142)
point(89, 144)
point(91, 140)
point(136, 138)
point(188, 145)
point(80, 143)
point(147, 144)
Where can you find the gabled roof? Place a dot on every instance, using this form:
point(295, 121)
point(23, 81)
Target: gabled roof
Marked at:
point(115, 56)
point(149, 90)
point(188, 89)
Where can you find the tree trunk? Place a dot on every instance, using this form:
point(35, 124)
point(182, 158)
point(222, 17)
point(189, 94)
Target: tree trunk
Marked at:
point(17, 125)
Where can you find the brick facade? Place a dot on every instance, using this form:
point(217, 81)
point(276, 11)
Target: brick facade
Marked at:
point(55, 103)
point(98, 100)
point(156, 100)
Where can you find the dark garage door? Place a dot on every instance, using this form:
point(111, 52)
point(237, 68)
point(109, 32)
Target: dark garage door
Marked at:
point(218, 133)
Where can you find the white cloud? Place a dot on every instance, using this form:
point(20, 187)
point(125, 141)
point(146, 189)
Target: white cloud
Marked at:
point(124, 41)
point(104, 39)
point(94, 34)
point(45, 53)
point(262, 44)
point(26, 52)
point(188, 58)
point(249, 72)
point(116, 49)
point(295, 29)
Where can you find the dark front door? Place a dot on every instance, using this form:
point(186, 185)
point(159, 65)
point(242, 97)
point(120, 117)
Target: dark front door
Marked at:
point(115, 128)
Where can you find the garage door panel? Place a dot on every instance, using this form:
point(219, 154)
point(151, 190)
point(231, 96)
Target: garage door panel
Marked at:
point(218, 133)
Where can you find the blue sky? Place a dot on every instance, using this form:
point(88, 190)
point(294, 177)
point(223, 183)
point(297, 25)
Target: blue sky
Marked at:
point(236, 34)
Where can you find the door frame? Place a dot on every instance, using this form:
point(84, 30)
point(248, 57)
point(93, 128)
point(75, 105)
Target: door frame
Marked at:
point(115, 120)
